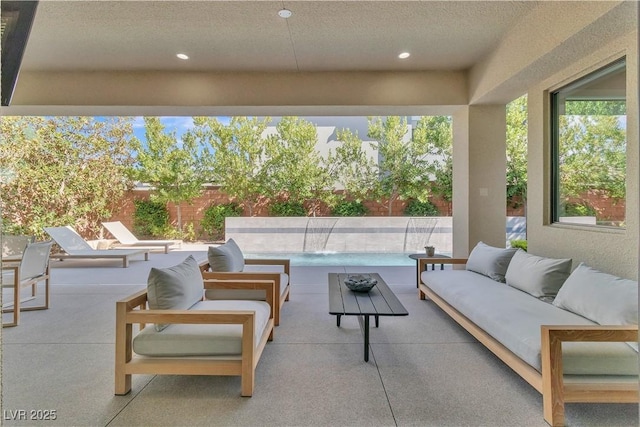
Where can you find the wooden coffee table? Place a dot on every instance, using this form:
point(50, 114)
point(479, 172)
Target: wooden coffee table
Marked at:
point(379, 301)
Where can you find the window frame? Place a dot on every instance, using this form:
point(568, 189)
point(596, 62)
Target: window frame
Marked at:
point(554, 133)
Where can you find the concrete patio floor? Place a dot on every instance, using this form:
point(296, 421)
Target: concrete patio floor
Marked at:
point(423, 370)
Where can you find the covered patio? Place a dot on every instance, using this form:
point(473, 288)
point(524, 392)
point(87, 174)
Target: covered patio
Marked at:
point(423, 369)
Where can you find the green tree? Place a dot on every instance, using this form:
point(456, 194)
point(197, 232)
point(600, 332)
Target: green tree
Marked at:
point(517, 149)
point(439, 133)
point(404, 167)
point(176, 171)
point(592, 155)
point(351, 167)
point(296, 168)
point(239, 157)
point(63, 171)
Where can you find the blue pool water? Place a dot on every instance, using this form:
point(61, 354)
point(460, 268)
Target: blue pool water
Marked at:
point(341, 259)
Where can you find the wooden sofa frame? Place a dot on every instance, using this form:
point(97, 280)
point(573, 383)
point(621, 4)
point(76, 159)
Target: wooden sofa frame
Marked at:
point(555, 389)
point(281, 297)
point(133, 310)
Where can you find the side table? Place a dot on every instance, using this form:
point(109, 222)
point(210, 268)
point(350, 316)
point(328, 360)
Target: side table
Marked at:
point(418, 257)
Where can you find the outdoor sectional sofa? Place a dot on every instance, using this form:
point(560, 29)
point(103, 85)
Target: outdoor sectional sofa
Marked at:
point(579, 347)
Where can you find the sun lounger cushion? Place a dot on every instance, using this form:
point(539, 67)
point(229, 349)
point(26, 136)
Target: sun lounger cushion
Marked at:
point(538, 276)
point(514, 318)
point(490, 261)
point(178, 287)
point(202, 339)
point(585, 290)
point(227, 257)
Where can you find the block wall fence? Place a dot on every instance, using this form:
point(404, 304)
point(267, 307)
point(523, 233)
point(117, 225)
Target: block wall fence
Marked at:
point(193, 212)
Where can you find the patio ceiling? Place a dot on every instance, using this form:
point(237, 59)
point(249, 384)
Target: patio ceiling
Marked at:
point(329, 58)
point(250, 36)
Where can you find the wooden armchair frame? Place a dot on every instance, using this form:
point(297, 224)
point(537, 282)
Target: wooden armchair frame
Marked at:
point(133, 310)
point(281, 297)
point(556, 390)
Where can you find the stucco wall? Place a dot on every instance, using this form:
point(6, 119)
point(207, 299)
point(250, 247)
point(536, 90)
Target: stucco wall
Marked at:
point(341, 234)
point(611, 250)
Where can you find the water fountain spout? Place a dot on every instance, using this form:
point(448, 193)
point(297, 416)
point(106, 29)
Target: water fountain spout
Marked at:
point(317, 233)
point(418, 233)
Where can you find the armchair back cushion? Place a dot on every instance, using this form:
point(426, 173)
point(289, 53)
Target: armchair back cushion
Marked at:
point(535, 275)
point(490, 261)
point(227, 257)
point(175, 288)
point(600, 297)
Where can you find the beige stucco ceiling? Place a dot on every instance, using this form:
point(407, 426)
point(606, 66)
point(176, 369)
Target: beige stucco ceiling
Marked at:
point(331, 57)
point(250, 36)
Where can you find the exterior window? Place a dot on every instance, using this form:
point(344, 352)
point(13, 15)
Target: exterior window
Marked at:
point(589, 149)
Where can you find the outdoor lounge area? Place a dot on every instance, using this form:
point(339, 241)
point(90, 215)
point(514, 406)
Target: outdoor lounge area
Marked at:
point(423, 369)
point(574, 63)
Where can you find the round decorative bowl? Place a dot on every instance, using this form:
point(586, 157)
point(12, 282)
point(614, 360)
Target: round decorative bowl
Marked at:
point(360, 282)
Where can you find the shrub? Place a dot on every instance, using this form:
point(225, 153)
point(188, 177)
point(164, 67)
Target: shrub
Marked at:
point(287, 208)
point(150, 218)
point(578, 209)
point(349, 208)
point(521, 244)
point(418, 208)
point(214, 216)
point(187, 233)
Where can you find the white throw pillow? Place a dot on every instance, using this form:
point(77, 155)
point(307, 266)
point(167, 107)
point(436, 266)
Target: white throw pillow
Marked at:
point(490, 261)
point(227, 257)
point(600, 297)
point(535, 275)
point(174, 288)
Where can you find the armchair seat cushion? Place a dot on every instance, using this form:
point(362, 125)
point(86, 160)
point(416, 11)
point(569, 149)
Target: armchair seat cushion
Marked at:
point(179, 340)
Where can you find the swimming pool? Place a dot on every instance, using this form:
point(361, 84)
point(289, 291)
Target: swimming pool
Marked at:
point(341, 259)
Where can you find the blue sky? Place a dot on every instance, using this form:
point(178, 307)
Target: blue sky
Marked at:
point(179, 125)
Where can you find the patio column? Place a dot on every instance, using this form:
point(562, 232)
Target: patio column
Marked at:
point(479, 177)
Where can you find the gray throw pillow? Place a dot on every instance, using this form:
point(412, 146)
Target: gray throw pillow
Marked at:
point(600, 297)
point(538, 276)
point(227, 257)
point(490, 261)
point(174, 288)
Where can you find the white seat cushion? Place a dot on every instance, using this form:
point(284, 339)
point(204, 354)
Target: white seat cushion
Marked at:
point(205, 339)
point(514, 317)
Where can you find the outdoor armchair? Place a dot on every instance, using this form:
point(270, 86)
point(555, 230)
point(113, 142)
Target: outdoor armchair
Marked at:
point(127, 239)
point(29, 271)
point(226, 262)
point(179, 334)
point(75, 247)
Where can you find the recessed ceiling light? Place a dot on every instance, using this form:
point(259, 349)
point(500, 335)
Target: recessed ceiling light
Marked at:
point(182, 56)
point(404, 55)
point(285, 13)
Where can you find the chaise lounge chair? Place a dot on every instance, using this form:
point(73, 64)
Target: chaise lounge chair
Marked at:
point(127, 239)
point(76, 247)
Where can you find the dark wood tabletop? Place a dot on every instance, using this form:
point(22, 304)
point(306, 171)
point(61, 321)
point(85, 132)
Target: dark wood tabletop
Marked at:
point(379, 301)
